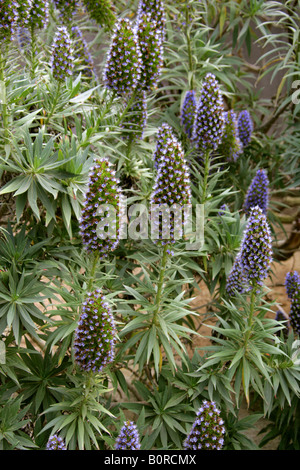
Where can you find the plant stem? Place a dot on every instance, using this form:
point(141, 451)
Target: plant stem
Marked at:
point(54, 104)
point(127, 107)
point(160, 284)
point(250, 319)
point(3, 98)
point(205, 176)
point(93, 271)
point(189, 48)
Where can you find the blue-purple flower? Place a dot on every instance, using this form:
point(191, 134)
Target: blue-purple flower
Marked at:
point(208, 429)
point(122, 71)
point(102, 196)
point(256, 249)
point(236, 280)
point(294, 314)
point(67, 9)
point(231, 146)
point(24, 8)
point(245, 127)
point(128, 438)
point(156, 10)
point(188, 111)
point(151, 48)
point(164, 133)
point(292, 283)
point(209, 119)
point(56, 443)
point(39, 14)
point(95, 335)
point(258, 193)
point(62, 60)
point(8, 19)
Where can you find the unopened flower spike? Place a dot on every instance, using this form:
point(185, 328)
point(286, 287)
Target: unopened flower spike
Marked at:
point(231, 146)
point(258, 193)
point(245, 127)
point(67, 9)
point(81, 53)
point(292, 283)
point(8, 19)
point(128, 438)
point(101, 11)
point(236, 280)
point(39, 15)
point(156, 10)
point(256, 249)
point(208, 429)
point(62, 60)
point(164, 133)
point(172, 187)
point(95, 335)
point(294, 314)
point(102, 193)
point(135, 120)
point(56, 443)
point(209, 119)
point(188, 111)
point(122, 70)
point(151, 51)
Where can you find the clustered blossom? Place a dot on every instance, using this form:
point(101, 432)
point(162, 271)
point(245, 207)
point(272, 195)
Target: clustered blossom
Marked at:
point(292, 283)
point(257, 194)
point(245, 127)
point(256, 248)
point(67, 9)
point(156, 10)
point(172, 187)
point(150, 44)
point(188, 111)
point(24, 38)
point(95, 335)
point(208, 429)
point(128, 438)
point(56, 443)
point(102, 11)
point(24, 9)
point(102, 189)
point(39, 14)
point(231, 146)
point(209, 118)
point(8, 19)
point(164, 133)
point(295, 312)
point(135, 119)
point(122, 71)
point(62, 60)
point(237, 280)
point(81, 53)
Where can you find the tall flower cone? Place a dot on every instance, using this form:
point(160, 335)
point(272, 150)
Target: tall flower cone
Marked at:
point(172, 188)
point(81, 53)
point(62, 60)
point(67, 9)
point(164, 133)
point(258, 193)
point(188, 111)
point(292, 283)
point(39, 15)
point(95, 335)
point(231, 146)
point(128, 438)
point(294, 314)
point(209, 119)
point(122, 70)
point(151, 51)
point(102, 190)
point(156, 10)
point(245, 127)
point(208, 429)
point(102, 11)
point(24, 8)
point(8, 19)
point(236, 280)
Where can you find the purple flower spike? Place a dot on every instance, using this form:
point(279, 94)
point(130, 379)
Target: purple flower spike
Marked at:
point(103, 193)
point(128, 439)
point(39, 14)
point(101, 11)
point(256, 248)
point(209, 119)
point(62, 60)
point(156, 10)
point(24, 9)
point(257, 194)
point(245, 127)
point(8, 19)
point(95, 335)
point(164, 133)
point(56, 443)
point(294, 315)
point(67, 9)
point(231, 146)
point(122, 71)
point(236, 280)
point(208, 429)
point(292, 283)
point(188, 112)
point(81, 53)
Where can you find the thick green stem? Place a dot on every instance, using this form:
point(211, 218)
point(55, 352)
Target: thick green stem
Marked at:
point(3, 98)
point(250, 318)
point(160, 284)
point(205, 176)
point(93, 271)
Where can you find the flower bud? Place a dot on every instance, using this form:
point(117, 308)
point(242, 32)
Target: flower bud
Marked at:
point(95, 335)
point(208, 429)
point(257, 194)
point(128, 439)
point(245, 127)
point(231, 146)
point(122, 70)
point(62, 60)
point(56, 443)
point(102, 11)
point(236, 280)
point(292, 283)
point(188, 112)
